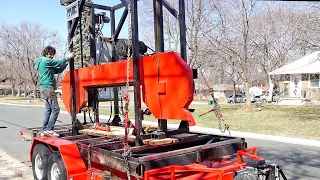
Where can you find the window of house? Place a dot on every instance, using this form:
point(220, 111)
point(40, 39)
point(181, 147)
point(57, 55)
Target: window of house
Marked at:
point(285, 77)
point(304, 77)
point(314, 80)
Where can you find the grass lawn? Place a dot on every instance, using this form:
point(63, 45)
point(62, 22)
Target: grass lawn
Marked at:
point(291, 121)
point(20, 100)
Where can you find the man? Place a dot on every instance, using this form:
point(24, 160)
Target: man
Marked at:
point(47, 67)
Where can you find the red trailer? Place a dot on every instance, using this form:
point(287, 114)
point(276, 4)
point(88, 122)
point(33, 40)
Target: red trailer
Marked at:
point(123, 150)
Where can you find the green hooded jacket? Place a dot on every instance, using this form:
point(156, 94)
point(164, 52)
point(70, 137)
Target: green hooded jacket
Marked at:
point(47, 67)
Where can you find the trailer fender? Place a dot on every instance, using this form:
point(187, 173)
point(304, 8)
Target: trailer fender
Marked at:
point(69, 152)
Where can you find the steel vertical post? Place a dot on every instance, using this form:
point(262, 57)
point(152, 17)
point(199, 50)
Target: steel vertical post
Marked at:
point(184, 125)
point(93, 54)
point(116, 118)
point(136, 70)
point(159, 43)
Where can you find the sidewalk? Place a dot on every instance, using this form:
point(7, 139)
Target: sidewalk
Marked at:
point(12, 169)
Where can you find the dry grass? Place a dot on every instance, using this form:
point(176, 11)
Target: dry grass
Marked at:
point(292, 121)
point(20, 100)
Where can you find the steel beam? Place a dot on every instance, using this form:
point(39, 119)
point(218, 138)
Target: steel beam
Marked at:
point(136, 69)
point(118, 6)
point(71, 30)
point(170, 8)
point(182, 25)
point(184, 125)
point(93, 55)
point(159, 44)
point(174, 154)
point(120, 25)
point(116, 118)
point(98, 6)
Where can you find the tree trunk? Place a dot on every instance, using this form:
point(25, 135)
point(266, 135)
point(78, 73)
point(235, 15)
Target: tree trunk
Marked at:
point(19, 91)
point(12, 90)
point(270, 90)
point(234, 88)
point(35, 91)
point(246, 88)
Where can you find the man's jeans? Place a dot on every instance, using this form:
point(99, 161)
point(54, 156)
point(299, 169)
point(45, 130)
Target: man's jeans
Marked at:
point(52, 108)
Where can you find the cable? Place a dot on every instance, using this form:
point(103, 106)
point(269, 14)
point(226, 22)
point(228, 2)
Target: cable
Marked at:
point(100, 34)
point(101, 48)
point(12, 123)
point(150, 49)
point(110, 112)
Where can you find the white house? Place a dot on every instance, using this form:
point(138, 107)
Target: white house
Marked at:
point(301, 77)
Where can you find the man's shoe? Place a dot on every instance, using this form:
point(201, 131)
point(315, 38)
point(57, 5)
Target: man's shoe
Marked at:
point(41, 133)
point(51, 133)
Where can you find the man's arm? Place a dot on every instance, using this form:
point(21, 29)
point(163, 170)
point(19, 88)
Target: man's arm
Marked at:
point(60, 69)
point(59, 63)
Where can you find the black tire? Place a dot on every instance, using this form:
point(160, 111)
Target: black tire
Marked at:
point(43, 152)
point(55, 162)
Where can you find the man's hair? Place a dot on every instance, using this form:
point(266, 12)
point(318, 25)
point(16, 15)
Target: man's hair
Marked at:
point(48, 50)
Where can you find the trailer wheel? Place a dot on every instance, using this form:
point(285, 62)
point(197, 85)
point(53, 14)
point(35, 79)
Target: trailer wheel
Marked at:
point(40, 157)
point(56, 169)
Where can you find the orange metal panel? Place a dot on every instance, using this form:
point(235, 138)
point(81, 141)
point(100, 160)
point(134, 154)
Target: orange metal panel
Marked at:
point(245, 152)
point(192, 172)
point(69, 152)
point(166, 79)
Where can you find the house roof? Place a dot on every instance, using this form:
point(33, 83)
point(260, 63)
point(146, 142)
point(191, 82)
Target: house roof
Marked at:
point(305, 65)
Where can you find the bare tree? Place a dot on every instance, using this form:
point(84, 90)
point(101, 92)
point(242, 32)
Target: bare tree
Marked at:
point(22, 44)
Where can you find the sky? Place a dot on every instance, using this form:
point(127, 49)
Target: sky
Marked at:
point(48, 13)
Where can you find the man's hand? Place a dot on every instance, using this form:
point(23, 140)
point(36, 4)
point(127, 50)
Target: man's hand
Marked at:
point(71, 55)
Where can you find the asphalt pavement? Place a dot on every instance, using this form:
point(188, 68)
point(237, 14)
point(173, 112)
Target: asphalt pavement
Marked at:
point(299, 161)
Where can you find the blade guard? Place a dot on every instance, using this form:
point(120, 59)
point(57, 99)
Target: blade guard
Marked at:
point(166, 79)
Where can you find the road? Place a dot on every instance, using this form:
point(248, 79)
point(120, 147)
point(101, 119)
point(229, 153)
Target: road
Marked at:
point(299, 162)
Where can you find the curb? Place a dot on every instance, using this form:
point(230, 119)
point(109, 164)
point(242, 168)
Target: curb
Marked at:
point(239, 134)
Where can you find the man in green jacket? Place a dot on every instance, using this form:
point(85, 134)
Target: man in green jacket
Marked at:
point(47, 68)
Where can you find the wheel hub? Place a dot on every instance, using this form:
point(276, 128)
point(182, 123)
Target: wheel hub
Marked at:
point(55, 172)
point(38, 166)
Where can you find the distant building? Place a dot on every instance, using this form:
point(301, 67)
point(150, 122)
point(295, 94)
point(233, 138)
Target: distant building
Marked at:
point(300, 79)
point(221, 91)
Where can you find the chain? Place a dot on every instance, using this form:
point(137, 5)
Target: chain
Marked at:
point(216, 109)
point(219, 116)
point(125, 154)
point(127, 148)
point(129, 45)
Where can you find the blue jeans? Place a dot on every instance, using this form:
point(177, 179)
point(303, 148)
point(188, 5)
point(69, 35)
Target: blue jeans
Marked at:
point(52, 108)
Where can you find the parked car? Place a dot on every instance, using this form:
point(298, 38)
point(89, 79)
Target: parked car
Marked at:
point(237, 98)
point(265, 97)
